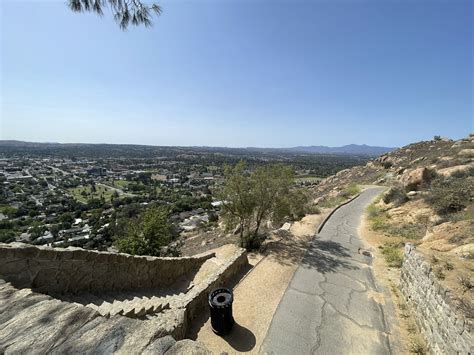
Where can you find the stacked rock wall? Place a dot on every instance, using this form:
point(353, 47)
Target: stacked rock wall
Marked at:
point(445, 328)
point(73, 270)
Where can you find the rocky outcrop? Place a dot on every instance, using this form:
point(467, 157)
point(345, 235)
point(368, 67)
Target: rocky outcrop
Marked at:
point(447, 172)
point(446, 329)
point(467, 153)
point(412, 179)
point(188, 347)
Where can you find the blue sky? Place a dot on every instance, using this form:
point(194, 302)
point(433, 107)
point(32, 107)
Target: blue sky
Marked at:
point(240, 73)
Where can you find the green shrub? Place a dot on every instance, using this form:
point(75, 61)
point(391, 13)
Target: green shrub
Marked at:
point(251, 242)
point(313, 209)
point(387, 164)
point(449, 195)
point(6, 236)
point(396, 194)
point(332, 202)
point(378, 218)
point(351, 190)
point(408, 231)
point(393, 255)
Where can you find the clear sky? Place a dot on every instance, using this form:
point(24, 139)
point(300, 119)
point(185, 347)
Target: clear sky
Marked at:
point(240, 73)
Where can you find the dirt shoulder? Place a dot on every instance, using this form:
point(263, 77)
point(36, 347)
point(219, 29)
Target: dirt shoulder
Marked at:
point(257, 296)
point(403, 328)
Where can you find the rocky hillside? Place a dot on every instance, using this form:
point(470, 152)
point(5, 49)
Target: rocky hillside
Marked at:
point(444, 156)
point(429, 202)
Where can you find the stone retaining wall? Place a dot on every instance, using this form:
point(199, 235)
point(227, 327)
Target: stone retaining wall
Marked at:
point(226, 276)
point(446, 330)
point(71, 270)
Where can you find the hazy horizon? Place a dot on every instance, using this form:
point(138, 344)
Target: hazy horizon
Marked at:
point(197, 146)
point(239, 74)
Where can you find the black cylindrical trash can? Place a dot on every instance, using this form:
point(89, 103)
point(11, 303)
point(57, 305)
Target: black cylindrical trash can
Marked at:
point(220, 303)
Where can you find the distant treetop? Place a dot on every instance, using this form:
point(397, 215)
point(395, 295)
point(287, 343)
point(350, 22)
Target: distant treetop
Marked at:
point(125, 12)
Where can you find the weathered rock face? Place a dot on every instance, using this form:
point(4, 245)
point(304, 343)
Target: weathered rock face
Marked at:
point(412, 179)
point(447, 172)
point(188, 347)
point(467, 153)
point(446, 329)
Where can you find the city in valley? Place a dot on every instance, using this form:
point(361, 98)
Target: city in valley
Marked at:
point(84, 195)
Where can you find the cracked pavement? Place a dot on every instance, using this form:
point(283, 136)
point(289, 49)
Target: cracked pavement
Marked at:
point(331, 304)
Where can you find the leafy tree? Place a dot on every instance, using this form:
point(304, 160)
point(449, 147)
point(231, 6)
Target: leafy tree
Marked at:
point(66, 219)
point(239, 203)
point(54, 229)
point(147, 235)
point(125, 12)
point(292, 205)
point(251, 198)
point(270, 184)
point(36, 230)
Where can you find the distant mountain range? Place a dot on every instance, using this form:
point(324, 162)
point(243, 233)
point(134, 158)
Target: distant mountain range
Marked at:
point(351, 149)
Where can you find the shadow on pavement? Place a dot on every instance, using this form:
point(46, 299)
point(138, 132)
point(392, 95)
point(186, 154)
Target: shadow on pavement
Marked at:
point(327, 256)
point(287, 250)
point(240, 338)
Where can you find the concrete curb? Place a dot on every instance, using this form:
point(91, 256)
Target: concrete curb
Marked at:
point(323, 223)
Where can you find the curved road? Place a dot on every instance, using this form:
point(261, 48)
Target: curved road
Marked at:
point(331, 305)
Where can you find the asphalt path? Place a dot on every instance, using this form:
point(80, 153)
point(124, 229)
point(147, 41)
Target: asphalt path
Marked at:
point(332, 304)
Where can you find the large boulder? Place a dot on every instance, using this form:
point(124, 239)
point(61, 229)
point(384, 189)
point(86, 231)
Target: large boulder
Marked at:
point(447, 172)
point(412, 179)
point(467, 153)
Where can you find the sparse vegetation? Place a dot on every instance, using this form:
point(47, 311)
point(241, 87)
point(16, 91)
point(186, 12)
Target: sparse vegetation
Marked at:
point(466, 282)
point(396, 195)
point(439, 272)
point(412, 231)
point(393, 254)
point(332, 201)
point(417, 345)
point(378, 217)
point(351, 190)
point(448, 196)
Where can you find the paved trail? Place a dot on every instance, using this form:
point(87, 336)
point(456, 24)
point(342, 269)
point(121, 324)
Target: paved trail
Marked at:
point(331, 305)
